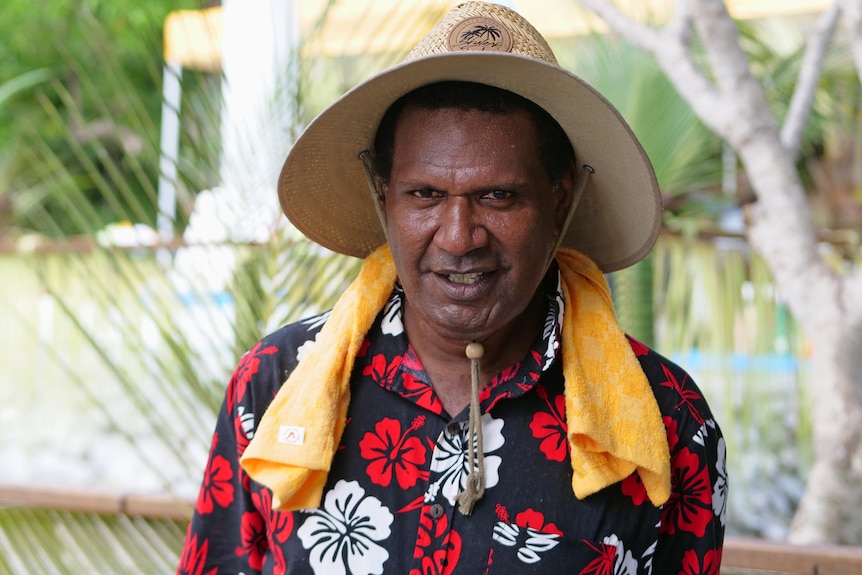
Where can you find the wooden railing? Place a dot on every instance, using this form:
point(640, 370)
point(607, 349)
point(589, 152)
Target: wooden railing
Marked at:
point(137, 505)
point(741, 555)
point(758, 556)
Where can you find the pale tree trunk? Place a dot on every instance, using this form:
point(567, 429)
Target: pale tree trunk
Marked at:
point(852, 10)
point(827, 303)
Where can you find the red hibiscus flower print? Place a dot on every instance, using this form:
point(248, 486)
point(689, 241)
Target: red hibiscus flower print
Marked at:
point(382, 371)
point(411, 360)
point(530, 535)
point(422, 393)
point(531, 519)
point(279, 526)
point(253, 539)
point(280, 567)
point(672, 427)
point(243, 428)
point(687, 396)
point(550, 428)
point(604, 563)
point(414, 386)
point(689, 508)
point(691, 564)
point(244, 477)
point(247, 367)
point(194, 558)
point(638, 347)
point(634, 488)
point(437, 547)
point(393, 454)
point(217, 487)
point(506, 375)
point(363, 349)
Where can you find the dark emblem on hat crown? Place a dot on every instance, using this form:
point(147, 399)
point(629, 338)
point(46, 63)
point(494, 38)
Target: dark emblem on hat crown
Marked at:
point(481, 34)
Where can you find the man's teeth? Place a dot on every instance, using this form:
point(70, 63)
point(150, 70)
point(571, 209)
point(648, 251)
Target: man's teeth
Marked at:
point(465, 278)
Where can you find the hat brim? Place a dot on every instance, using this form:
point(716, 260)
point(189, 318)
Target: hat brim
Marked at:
point(324, 192)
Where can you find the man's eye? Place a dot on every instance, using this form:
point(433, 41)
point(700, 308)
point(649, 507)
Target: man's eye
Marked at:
point(426, 193)
point(498, 195)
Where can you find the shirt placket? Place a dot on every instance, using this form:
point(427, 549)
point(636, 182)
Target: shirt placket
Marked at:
point(436, 524)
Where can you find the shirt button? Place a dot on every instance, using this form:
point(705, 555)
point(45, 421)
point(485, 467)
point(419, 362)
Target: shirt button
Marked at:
point(453, 428)
point(436, 511)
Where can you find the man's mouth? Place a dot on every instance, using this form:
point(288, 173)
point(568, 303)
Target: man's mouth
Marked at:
point(466, 279)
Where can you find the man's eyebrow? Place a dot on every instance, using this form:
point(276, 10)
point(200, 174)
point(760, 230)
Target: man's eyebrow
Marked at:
point(413, 183)
point(512, 184)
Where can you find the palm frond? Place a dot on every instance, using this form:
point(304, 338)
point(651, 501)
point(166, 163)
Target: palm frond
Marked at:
point(70, 542)
point(22, 82)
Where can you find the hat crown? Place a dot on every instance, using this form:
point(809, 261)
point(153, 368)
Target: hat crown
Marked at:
point(481, 26)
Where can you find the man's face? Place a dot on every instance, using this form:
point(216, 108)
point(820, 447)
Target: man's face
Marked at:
point(471, 217)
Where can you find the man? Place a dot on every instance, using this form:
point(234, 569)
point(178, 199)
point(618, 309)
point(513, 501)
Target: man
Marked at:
point(470, 404)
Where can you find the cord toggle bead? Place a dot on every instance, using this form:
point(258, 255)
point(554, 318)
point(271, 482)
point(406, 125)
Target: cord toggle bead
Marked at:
point(475, 350)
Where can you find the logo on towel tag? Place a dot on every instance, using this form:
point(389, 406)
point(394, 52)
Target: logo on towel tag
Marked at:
point(291, 435)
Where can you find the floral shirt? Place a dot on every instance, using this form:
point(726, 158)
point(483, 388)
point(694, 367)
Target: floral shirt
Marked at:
point(389, 502)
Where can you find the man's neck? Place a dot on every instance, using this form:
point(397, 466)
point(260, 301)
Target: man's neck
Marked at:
point(447, 365)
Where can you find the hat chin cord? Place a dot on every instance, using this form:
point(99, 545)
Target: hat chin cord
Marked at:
point(576, 199)
point(376, 194)
point(474, 487)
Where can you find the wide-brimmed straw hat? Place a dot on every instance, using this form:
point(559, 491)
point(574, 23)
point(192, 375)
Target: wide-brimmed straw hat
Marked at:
point(324, 191)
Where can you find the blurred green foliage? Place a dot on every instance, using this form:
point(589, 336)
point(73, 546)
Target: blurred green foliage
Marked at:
point(94, 111)
point(61, 35)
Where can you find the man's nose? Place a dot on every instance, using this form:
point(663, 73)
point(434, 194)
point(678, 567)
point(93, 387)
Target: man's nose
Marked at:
point(459, 229)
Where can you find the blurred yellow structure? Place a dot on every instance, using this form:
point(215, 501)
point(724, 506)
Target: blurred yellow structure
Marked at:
point(193, 37)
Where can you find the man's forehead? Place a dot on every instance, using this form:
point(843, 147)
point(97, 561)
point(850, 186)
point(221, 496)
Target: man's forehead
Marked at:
point(453, 147)
point(417, 121)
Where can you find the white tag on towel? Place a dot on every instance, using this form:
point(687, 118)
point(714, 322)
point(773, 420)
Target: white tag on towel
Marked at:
point(291, 435)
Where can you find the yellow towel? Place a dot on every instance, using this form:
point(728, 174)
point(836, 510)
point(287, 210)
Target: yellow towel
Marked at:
point(613, 420)
point(614, 423)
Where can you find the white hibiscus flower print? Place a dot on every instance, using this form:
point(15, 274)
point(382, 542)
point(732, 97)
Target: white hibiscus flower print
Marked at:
point(704, 431)
point(302, 350)
point(246, 421)
point(391, 323)
point(537, 542)
point(342, 537)
point(311, 323)
point(317, 321)
point(650, 553)
point(624, 562)
point(719, 490)
point(450, 458)
point(537, 537)
point(555, 316)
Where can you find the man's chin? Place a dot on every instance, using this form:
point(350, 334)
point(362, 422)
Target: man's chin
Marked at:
point(473, 327)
